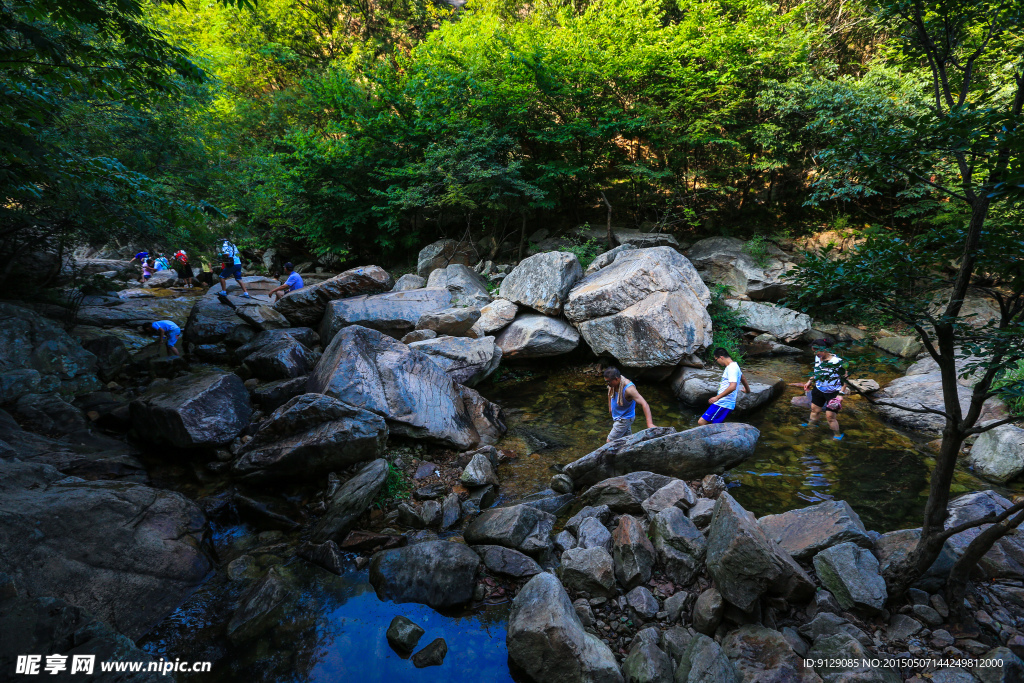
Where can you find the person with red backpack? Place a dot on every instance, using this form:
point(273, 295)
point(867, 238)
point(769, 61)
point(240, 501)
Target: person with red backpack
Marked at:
point(826, 393)
point(181, 265)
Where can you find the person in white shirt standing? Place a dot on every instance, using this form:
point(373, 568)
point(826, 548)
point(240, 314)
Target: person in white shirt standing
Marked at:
point(724, 402)
point(232, 267)
point(827, 380)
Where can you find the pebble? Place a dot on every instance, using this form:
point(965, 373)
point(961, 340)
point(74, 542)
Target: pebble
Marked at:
point(942, 638)
point(939, 605)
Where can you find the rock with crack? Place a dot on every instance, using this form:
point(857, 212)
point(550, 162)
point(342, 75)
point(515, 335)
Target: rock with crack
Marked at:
point(467, 361)
point(680, 546)
point(590, 570)
point(407, 388)
point(726, 261)
point(467, 287)
point(691, 454)
point(694, 387)
point(647, 309)
point(746, 564)
point(705, 662)
point(804, 532)
point(393, 313)
point(626, 493)
point(435, 573)
point(542, 282)
point(283, 359)
point(532, 335)
point(546, 640)
point(507, 561)
point(785, 323)
point(205, 409)
point(632, 553)
point(441, 254)
point(350, 501)
point(521, 527)
point(309, 436)
point(494, 317)
point(306, 306)
point(998, 454)
point(452, 322)
point(106, 546)
point(764, 654)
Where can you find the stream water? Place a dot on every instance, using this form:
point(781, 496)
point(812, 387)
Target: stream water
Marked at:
point(331, 628)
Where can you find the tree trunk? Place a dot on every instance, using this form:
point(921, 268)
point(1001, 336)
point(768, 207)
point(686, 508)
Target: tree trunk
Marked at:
point(610, 235)
point(522, 237)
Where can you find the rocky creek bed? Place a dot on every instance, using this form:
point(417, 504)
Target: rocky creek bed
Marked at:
point(247, 507)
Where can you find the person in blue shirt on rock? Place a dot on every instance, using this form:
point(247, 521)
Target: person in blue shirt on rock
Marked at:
point(293, 283)
point(724, 402)
point(622, 400)
point(232, 267)
point(168, 331)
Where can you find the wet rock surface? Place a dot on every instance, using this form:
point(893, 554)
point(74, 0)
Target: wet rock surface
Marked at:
point(205, 409)
point(435, 573)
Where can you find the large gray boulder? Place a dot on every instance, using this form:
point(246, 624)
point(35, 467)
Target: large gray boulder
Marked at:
point(785, 323)
point(921, 387)
point(725, 260)
point(1006, 558)
point(203, 410)
point(435, 573)
point(691, 454)
point(607, 258)
point(532, 335)
point(262, 317)
point(306, 306)
point(543, 281)
point(591, 570)
point(623, 494)
point(680, 546)
point(128, 553)
point(303, 335)
point(746, 564)
point(646, 309)
point(393, 313)
point(409, 281)
point(632, 552)
point(807, 531)
point(285, 358)
point(705, 662)
point(209, 322)
point(467, 361)
point(467, 287)
point(350, 501)
point(37, 355)
point(998, 454)
point(694, 387)
point(546, 639)
point(441, 254)
point(852, 575)
point(764, 654)
point(309, 436)
point(494, 317)
point(452, 322)
point(521, 527)
point(367, 369)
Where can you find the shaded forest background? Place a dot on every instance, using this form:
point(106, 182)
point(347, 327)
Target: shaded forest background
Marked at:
point(360, 130)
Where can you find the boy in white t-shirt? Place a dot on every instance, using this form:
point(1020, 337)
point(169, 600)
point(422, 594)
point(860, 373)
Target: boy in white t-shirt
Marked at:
point(729, 387)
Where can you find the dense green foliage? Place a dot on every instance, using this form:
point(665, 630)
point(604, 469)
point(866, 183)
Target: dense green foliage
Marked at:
point(363, 129)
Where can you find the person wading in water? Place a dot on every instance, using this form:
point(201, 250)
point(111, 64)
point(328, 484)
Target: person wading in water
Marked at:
point(622, 400)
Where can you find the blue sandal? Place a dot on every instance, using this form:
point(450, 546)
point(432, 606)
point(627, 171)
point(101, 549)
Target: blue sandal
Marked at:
point(839, 438)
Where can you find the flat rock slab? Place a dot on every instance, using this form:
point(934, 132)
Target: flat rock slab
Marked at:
point(393, 313)
point(108, 547)
point(805, 532)
point(690, 454)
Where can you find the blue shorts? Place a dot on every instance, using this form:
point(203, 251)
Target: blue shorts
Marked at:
point(716, 414)
point(234, 271)
point(172, 339)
